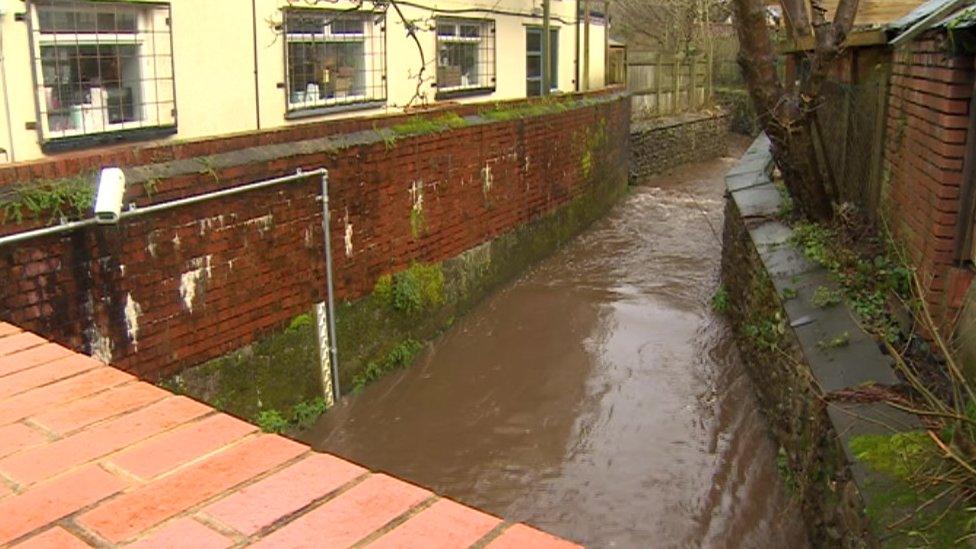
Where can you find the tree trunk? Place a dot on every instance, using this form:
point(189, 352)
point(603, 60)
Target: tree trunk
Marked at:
point(787, 116)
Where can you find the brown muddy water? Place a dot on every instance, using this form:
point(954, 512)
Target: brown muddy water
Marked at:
point(597, 397)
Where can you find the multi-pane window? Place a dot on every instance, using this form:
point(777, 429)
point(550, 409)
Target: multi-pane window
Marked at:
point(465, 56)
point(102, 67)
point(334, 58)
point(533, 60)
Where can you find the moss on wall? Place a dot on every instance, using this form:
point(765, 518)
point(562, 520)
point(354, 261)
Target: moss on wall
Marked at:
point(383, 331)
point(277, 372)
point(419, 303)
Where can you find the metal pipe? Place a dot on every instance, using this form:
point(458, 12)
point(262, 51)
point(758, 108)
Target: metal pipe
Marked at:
point(62, 228)
point(12, 156)
point(577, 69)
point(546, 51)
point(586, 45)
point(134, 212)
point(326, 235)
point(254, 40)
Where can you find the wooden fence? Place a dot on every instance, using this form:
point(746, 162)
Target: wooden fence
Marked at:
point(663, 84)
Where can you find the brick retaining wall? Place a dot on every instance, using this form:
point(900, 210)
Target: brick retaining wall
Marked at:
point(159, 293)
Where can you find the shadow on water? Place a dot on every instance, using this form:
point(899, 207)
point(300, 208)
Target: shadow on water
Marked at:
point(597, 397)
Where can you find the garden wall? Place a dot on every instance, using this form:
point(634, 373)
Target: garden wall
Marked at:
point(163, 292)
point(813, 368)
point(660, 144)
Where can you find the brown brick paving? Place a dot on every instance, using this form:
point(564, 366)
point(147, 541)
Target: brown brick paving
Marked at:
point(91, 456)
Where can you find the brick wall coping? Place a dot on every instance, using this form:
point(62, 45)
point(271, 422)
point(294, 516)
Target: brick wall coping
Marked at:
point(90, 456)
point(637, 126)
point(72, 163)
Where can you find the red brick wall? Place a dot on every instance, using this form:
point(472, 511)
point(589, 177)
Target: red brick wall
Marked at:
point(177, 288)
point(928, 115)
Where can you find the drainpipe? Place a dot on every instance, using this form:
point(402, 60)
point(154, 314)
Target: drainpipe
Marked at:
point(546, 50)
point(586, 44)
point(254, 42)
point(576, 62)
point(606, 41)
point(326, 235)
point(11, 156)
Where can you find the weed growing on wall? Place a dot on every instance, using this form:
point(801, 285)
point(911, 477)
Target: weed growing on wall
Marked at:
point(422, 125)
point(504, 112)
point(938, 465)
point(721, 300)
point(208, 166)
point(301, 416)
point(398, 357)
point(271, 421)
point(54, 199)
point(824, 297)
point(867, 282)
point(413, 290)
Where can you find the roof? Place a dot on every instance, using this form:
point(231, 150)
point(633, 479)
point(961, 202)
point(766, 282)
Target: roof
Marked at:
point(923, 10)
point(931, 14)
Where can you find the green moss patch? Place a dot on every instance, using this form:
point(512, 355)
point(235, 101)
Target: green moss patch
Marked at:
point(276, 373)
point(51, 199)
point(421, 125)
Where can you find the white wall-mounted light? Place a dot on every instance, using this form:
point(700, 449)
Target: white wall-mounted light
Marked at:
point(108, 200)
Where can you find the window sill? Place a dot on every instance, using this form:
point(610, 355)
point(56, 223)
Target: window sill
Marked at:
point(61, 144)
point(332, 109)
point(464, 92)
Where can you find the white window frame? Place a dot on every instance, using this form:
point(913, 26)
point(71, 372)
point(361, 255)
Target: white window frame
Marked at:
point(150, 90)
point(486, 31)
point(369, 40)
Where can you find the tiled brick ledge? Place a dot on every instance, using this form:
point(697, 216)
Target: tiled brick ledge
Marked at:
point(90, 456)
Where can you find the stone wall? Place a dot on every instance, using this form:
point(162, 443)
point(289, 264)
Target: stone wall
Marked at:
point(742, 117)
point(659, 144)
point(163, 292)
point(803, 384)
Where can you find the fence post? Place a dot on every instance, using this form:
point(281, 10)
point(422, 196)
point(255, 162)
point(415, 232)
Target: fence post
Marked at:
point(693, 83)
point(658, 76)
point(675, 86)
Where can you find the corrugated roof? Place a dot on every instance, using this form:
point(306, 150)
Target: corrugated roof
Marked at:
point(924, 10)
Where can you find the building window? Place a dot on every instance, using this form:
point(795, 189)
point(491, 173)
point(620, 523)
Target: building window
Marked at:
point(533, 60)
point(334, 59)
point(102, 67)
point(465, 56)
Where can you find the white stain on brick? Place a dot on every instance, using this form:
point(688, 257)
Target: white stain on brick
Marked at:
point(264, 223)
point(486, 179)
point(151, 243)
point(207, 224)
point(191, 280)
point(347, 237)
point(101, 346)
point(176, 240)
point(417, 196)
point(132, 313)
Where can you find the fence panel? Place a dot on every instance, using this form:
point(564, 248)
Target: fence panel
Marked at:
point(663, 84)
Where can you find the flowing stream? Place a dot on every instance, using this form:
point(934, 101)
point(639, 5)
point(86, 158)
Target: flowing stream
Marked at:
point(597, 397)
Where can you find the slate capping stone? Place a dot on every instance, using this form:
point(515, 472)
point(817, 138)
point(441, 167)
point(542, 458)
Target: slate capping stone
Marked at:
point(859, 362)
